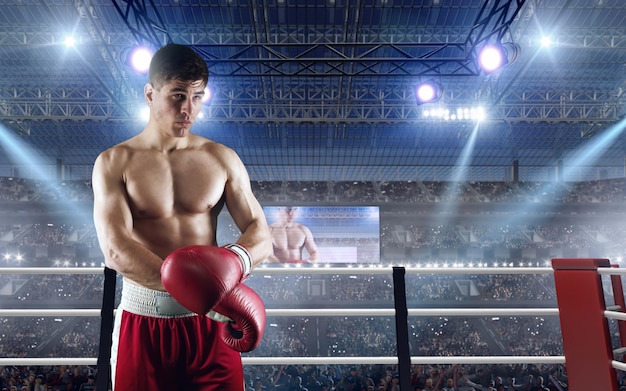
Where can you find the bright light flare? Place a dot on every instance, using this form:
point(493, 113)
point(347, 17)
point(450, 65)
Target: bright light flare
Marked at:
point(145, 114)
point(425, 93)
point(70, 41)
point(545, 41)
point(428, 92)
point(140, 59)
point(491, 58)
point(475, 114)
point(208, 94)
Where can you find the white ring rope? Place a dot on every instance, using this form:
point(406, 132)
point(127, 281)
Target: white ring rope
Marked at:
point(48, 361)
point(364, 269)
point(615, 315)
point(611, 270)
point(320, 269)
point(325, 312)
point(322, 360)
point(414, 360)
point(51, 270)
point(619, 365)
point(50, 312)
point(415, 312)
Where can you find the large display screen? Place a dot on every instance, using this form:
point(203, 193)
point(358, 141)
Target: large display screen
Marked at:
point(324, 234)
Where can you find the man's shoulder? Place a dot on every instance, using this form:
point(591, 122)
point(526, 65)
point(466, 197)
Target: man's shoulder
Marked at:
point(216, 149)
point(119, 150)
point(112, 160)
point(212, 146)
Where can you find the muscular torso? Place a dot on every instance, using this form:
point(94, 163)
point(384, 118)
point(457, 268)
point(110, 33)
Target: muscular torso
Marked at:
point(288, 241)
point(174, 198)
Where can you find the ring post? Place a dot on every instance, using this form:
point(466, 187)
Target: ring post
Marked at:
point(402, 327)
point(103, 377)
point(618, 294)
point(584, 328)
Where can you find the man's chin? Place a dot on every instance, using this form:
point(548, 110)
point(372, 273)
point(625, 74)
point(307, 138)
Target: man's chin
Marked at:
point(181, 131)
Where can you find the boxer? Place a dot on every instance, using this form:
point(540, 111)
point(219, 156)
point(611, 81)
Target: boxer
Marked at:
point(157, 196)
point(290, 238)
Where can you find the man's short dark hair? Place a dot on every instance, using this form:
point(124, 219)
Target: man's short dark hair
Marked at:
point(177, 62)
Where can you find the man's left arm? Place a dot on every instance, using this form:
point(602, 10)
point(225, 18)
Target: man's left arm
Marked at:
point(247, 212)
point(309, 244)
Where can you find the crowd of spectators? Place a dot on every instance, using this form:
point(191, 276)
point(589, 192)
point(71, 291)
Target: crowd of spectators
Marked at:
point(510, 236)
point(332, 336)
point(47, 378)
point(607, 190)
point(422, 377)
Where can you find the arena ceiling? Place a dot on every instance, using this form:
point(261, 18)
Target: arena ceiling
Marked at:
point(324, 89)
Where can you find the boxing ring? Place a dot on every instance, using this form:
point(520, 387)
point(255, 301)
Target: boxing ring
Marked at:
point(582, 312)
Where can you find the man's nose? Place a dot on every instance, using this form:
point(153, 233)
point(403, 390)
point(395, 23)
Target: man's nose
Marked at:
point(187, 107)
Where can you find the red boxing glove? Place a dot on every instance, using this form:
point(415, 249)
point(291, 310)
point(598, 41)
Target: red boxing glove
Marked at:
point(198, 277)
point(244, 312)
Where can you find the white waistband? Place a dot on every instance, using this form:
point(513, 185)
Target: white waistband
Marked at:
point(149, 302)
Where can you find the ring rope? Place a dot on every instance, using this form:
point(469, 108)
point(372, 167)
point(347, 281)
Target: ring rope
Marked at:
point(611, 271)
point(51, 270)
point(323, 269)
point(618, 365)
point(322, 360)
point(615, 315)
point(362, 269)
point(325, 312)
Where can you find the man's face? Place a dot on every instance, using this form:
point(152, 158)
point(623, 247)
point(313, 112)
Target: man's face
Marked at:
point(288, 214)
point(175, 105)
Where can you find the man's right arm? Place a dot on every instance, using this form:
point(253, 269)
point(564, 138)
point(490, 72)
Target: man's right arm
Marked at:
point(113, 222)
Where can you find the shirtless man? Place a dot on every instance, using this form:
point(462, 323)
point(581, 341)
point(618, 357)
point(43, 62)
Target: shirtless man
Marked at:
point(290, 238)
point(157, 192)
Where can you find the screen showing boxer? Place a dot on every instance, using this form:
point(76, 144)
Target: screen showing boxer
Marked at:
point(324, 234)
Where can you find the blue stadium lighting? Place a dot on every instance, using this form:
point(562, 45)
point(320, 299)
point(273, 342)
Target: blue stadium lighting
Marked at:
point(449, 206)
point(476, 114)
point(138, 59)
point(593, 150)
point(21, 154)
point(428, 92)
point(208, 94)
point(584, 156)
point(144, 114)
point(491, 58)
point(18, 258)
point(70, 41)
point(545, 41)
point(494, 56)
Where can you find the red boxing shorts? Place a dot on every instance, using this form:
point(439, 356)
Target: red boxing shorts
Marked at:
point(158, 345)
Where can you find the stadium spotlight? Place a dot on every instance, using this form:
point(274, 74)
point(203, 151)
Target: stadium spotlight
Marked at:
point(208, 94)
point(70, 41)
point(428, 92)
point(138, 58)
point(545, 41)
point(494, 56)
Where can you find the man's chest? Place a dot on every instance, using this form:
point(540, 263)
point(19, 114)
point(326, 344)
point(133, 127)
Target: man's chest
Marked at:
point(292, 237)
point(157, 186)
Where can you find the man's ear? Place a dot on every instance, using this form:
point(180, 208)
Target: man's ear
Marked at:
point(148, 90)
